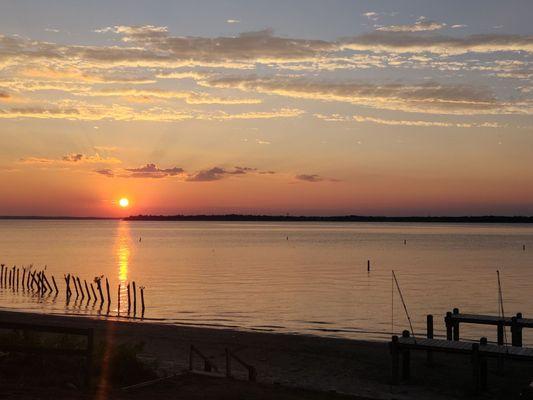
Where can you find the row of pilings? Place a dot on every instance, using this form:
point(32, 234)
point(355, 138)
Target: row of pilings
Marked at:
point(32, 280)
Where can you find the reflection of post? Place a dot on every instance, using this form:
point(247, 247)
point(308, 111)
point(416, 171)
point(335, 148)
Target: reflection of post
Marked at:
point(122, 251)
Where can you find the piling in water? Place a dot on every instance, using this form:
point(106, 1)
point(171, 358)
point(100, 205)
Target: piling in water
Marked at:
point(108, 295)
point(23, 281)
point(368, 265)
point(142, 301)
point(67, 285)
point(94, 293)
point(129, 298)
point(18, 276)
point(134, 299)
point(47, 283)
point(98, 281)
point(87, 290)
point(2, 275)
point(118, 299)
point(55, 285)
point(81, 288)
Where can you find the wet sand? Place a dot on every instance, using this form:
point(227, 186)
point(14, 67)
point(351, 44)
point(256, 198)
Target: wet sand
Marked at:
point(351, 367)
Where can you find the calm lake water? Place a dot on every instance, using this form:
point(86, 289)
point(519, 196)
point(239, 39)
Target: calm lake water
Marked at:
point(308, 278)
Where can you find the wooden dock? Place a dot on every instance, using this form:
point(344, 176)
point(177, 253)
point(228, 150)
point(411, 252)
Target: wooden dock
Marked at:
point(517, 323)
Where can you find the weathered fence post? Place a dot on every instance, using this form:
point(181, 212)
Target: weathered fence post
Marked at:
point(516, 331)
point(456, 325)
point(134, 298)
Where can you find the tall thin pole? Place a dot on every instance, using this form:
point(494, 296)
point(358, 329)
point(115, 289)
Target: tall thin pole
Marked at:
point(404, 305)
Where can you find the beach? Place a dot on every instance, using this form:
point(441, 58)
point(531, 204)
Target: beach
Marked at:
point(323, 366)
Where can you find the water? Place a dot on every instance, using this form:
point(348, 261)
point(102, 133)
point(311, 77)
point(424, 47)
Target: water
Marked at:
point(249, 276)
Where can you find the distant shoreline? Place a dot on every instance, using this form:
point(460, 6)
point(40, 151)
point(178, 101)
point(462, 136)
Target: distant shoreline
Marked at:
point(486, 219)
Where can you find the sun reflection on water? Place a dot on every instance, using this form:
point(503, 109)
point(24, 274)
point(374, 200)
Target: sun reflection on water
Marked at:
point(123, 250)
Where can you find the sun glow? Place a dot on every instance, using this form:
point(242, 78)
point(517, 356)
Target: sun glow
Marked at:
point(123, 202)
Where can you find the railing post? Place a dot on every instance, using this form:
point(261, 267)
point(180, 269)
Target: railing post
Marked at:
point(456, 325)
point(516, 332)
point(449, 328)
point(429, 320)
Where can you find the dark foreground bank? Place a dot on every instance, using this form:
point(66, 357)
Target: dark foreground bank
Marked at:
point(288, 366)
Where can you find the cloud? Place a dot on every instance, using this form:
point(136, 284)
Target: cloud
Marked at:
point(152, 171)
point(396, 122)
point(233, 21)
point(73, 158)
point(430, 97)
point(137, 33)
point(406, 42)
point(313, 178)
point(456, 26)
point(218, 173)
point(106, 172)
point(4, 95)
point(419, 26)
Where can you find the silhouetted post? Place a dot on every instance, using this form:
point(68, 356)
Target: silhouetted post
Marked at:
point(404, 242)
point(34, 280)
point(429, 321)
point(2, 275)
point(43, 287)
point(118, 299)
point(134, 299)
point(368, 265)
point(94, 293)
point(87, 290)
point(77, 280)
point(456, 326)
point(67, 288)
point(516, 331)
point(47, 282)
point(23, 281)
point(99, 287)
point(10, 273)
point(524, 247)
point(28, 279)
point(108, 295)
point(129, 299)
point(18, 276)
point(142, 301)
point(75, 286)
point(449, 328)
point(55, 285)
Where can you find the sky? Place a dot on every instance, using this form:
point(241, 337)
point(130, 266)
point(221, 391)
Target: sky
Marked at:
point(301, 107)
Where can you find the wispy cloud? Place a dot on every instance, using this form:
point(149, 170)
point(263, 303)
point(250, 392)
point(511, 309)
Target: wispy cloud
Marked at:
point(314, 178)
point(152, 171)
point(419, 26)
point(73, 158)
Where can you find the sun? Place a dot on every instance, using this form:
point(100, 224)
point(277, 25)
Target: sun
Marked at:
point(123, 202)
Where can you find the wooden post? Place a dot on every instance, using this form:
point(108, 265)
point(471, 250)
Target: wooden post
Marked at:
point(429, 322)
point(516, 331)
point(10, 277)
point(55, 285)
point(118, 299)
point(2, 275)
point(94, 293)
point(87, 290)
point(67, 286)
point(134, 298)
point(142, 301)
point(395, 353)
point(75, 286)
point(406, 360)
point(108, 295)
point(99, 286)
point(80, 287)
point(228, 364)
point(129, 299)
point(23, 278)
point(28, 280)
point(456, 326)
point(475, 366)
point(449, 328)
point(47, 282)
point(18, 277)
point(368, 265)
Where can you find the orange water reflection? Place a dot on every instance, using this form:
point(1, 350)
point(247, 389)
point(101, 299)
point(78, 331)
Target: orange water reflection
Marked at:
point(123, 248)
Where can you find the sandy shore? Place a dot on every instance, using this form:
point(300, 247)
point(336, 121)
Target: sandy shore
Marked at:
point(357, 368)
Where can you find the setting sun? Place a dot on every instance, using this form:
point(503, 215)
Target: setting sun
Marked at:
point(124, 202)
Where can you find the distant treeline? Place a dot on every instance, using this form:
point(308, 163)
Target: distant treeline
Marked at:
point(340, 218)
